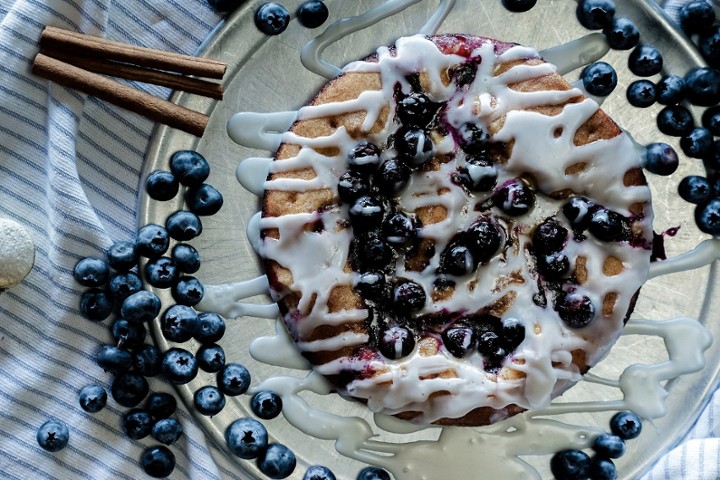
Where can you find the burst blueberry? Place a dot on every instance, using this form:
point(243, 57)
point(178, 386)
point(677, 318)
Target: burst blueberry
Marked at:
point(152, 241)
point(392, 177)
point(553, 266)
point(364, 158)
point(272, 18)
point(695, 189)
point(408, 296)
point(491, 346)
point(578, 210)
point(698, 143)
point(189, 167)
point(91, 272)
point(124, 284)
point(166, 431)
point(398, 229)
point(352, 185)
point(396, 342)
point(204, 200)
point(147, 360)
point(570, 464)
point(158, 462)
point(575, 309)
point(160, 405)
point(645, 61)
point(161, 185)
point(513, 333)
point(675, 120)
point(457, 259)
point(607, 445)
point(183, 225)
point(515, 197)
point(519, 6)
point(670, 90)
point(416, 110)
point(661, 159)
point(136, 423)
point(186, 258)
point(472, 138)
point(371, 285)
point(599, 79)
point(479, 174)
point(92, 398)
point(595, 14)
point(113, 359)
point(641, 93)
point(459, 340)
point(179, 366)
point(483, 237)
point(549, 236)
point(312, 13)
point(372, 253)
point(209, 400)
point(609, 226)
point(697, 16)
point(266, 404)
point(703, 86)
point(233, 379)
point(414, 145)
point(707, 216)
point(129, 389)
point(211, 358)
point(53, 435)
point(366, 213)
point(622, 34)
point(96, 304)
point(626, 425)
point(246, 438)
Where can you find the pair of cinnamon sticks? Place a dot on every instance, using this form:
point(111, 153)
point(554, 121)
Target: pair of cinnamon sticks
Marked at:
point(80, 62)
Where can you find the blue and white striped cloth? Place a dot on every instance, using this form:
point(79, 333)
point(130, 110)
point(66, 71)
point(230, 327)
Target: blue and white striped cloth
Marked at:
point(69, 171)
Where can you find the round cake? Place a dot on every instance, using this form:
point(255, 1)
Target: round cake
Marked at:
point(454, 234)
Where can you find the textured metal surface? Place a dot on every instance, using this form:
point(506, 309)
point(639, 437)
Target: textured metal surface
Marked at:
point(266, 76)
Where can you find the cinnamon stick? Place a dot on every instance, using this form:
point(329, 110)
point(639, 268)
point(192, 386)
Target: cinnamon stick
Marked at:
point(154, 108)
point(90, 45)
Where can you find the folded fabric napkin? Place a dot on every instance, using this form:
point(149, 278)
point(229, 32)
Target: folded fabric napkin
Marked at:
point(69, 171)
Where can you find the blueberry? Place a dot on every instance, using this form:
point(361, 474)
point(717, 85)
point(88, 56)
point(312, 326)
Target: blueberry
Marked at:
point(166, 430)
point(553, 266)
point(366, 213)
point(578, 210)
point(459, 340)
point(122, 256)
point(158, 462)
point(408, 296)
point(595, 14)
point(392, 176)
point(698, 143)
point(712, 160)
point(318, 472)
point(602, 469)
point(515, 198)
point(373, 253)
point(483, 237)
point(189, 167)
point(96, 304)
point(416, 110)
point(160, 405)
point(211, 327)
point(186, 258)
point(128, 389)
point(266, 404)
point(209, 400)
point(233, 379)
point(92, 398)
point(370, 285)
point(398, 229)
point(179, 366)
point(711, 120)
point(645, 61)
point(519, 5)
point(224, 6)
point(152, 241)
point(472, 138)
point(147, 360)
point(575, 309)
point(373, 473)
point(161, 272)
point(183, 225)
point(622, 34)
point(113, 359)
point(272, 18)
point(675, 120)
point(161, 185)
point(709, 45)
point(626, 425)
point(364, 158)
point(695, 189)
point(609, 446)
point(188, 291)
point(661, 159)
point(457, 259)
point(670, 90)
point(548, 237)
point(136, 423)
point(697, 16)
point(179, 323)
point(277, 461)
point(312, 13)
point(609, 226)
point(128, 334)
point(246, 438)
point(707, 216)
point(703, 86)
point(641, 93)
point(478, 174)
point(141, 306)
point(204, 200)
point(211, 358)
point(513, 333)
point(464, 73)
point(414, 146)
point(396, 342)
point(491, 346)
point(124, 284)
point(352, 185)
point(570, 465)
point(53, 435)
point(599, 79)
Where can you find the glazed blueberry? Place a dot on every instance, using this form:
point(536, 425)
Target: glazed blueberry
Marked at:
point(457, 259)
point(697, 16)
point(352, 185)
point(188, 291)
point(160, 405)
point(675, 120)
point(92, 398)
point(599, 79)
point(113, 359)
point(408, 296)
point(513, 331)
point(186, 258)
point(575, 309)
point(152, 241)
point(224, 6)
point(550, 236)
point(711, 120)
point(459, 340)
point(464, 73)
point(266, 404)
point(626, 425)
point(392, 177)
point(183, 225)
point(366, 213)
point(272, 18)
point(209, 400)
point(570, 465)
point(578, 210)
point(312, 13)
point(128, 389)
point(162, 185)
point(179, 323)
point(416, 110)
point(622, 34)
point(661, 159)
point(53, 435)
point(211, 327)
point(707, 216)
point(553, 266)
point(695, 189)
point(609, 226)
point(166, 430)
point(211, 358)
point(147, 360)
point(141, 306)
point(161, 272)
point(472, 138)
point(233, 379)
point(277, 461)
point(396, 342)
point(371, 285)
point(373, 253)
point(96, 304)
point(703, 86)
point(318, 472)
point(519, 5)
point(158, 462)
point(698, 143)
point(179, 366)
point(364, 158)
point(709, 45)
point(246, 438)
point(122, 256)
point(483, 237)
point(136, 423)
point(515, 198)
point(124, 284)
point(641, 93)
point(128, 334)
point(414, 146)
point(670, 90)
point(595, 14)
point(609, 446)
point(204, 200)
point(602, 469)
point(189, 167)
point(490, 346)
point(398, 229)
point(478, 174)
point(645, 61)
point(373, 473)
point(91, 272)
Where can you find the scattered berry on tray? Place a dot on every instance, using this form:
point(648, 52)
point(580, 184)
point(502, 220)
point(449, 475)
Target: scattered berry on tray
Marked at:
point(312, 13)
point(675, 120)
point(272, 18)
point(128, 334)
point(233, 379)
point(113, 359)
point(209, 400)
point(641, 93)
point(626, 425)
point(210, 329)
point(607, 445)
point(141, 306)
point(92, 398)
point(183, 225)
point(189, 167)
point(122, 256)
point(703, 86)
point(161, 272)
point(179, 366)
point(246, 438)
point(187, 291)
point(373, 473)
point(698, 143)
point(645, 60)
point(186, 258)
point(595, 14)
point(711, 120)
point(599, 79)
point(670, 90)
point(211, 358)
point(161, 185)
point(277, 461)
point(695, 189)
point(697, 16)
point(709, 45)
point(660, 159)
point(318, 472)
point(622, 34)
point(158, 462)
point(53, 435)
point(570, 464)
point(152, 241)
point(124, 284)
point(204, 200)
point(266, 404)
point(519, 5)
point(602, 469)
point(707, 216)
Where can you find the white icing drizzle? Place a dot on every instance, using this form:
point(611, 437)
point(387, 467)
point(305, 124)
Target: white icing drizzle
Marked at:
point(576, 53)
point(259, 130)
point(225, 299)
point(704, 254)
point(252, 172)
